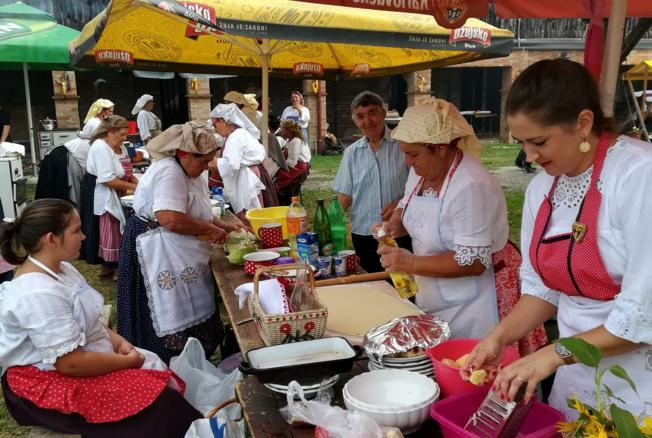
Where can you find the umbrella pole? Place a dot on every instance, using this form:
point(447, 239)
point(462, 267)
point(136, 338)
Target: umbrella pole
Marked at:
point(611, 59)
point(30, 127)
point(264, 62)
point(639, 112)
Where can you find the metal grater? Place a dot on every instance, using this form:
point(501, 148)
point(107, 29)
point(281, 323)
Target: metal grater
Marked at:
point(496, 418)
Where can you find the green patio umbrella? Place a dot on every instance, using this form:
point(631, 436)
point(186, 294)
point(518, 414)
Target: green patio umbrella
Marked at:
point(32, 39)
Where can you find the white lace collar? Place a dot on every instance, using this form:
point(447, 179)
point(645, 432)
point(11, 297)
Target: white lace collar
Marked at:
point(570, 190)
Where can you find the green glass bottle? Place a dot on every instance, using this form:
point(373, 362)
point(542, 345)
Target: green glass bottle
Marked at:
point(338, 225)
point(322, 227)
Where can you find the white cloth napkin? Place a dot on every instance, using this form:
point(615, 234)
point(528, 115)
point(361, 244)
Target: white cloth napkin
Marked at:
point(11, 147)
point(271, 294)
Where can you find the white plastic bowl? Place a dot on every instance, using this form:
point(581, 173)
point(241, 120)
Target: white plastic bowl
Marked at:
point(391, 389)
point(408, 420)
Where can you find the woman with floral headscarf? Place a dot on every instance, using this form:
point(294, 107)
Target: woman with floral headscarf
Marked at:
point(165, 285)
point(455, 213)
point(99, 110)
point(247, 183)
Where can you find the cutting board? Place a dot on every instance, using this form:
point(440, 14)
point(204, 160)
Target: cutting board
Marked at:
point(354, 309)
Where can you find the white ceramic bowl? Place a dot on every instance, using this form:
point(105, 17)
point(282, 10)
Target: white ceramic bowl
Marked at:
point(408, 420)
point(391, 390)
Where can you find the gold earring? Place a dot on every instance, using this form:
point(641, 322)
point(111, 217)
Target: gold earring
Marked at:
point(585, 146)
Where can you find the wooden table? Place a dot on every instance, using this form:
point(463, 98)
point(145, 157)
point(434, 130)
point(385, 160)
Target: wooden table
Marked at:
point(260, 405)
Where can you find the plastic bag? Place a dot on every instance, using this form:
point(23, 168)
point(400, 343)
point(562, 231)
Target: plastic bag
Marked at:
point(238, 244)
point(206, 386)
point(338, 422)
point(216, 427)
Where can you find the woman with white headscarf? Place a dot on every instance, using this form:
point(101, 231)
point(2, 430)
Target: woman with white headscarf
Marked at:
point(454, 210)
point(149, 126)
point(246, 181)
point(165, 285)
point(99, 110)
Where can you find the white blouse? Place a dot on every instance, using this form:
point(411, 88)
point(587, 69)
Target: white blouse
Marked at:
point(147, 122)
point(165, 186)
point(297, 151)
point(241, 185)
point(473, 220)
point(89, 127)
point(624, 237)
point(302, 118)
point(42, 319)
point(105, 165)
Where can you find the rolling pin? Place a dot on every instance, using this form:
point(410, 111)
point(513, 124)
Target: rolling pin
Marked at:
point(353, 279)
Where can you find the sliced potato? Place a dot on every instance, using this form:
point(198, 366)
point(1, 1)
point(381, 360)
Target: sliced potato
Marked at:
point(462, 360)
point(478, 377)
point(450, 363)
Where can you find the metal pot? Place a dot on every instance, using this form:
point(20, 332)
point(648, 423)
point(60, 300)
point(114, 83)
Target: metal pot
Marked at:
point(48, 124)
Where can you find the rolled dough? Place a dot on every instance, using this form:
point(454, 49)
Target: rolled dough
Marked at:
point(354, 309)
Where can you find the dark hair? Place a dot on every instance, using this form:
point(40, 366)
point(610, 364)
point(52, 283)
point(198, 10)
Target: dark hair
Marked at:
point(366, 98)
point(23, 236)
point(554, 92)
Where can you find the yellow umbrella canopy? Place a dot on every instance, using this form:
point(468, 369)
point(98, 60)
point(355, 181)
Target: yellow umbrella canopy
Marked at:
point(233, 37)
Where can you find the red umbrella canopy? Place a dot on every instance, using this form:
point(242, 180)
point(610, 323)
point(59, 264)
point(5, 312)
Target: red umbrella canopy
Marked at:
point(453, 13)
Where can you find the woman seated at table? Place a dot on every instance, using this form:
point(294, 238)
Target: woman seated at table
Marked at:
point(247, 183)
point(109, 176)
point(455, 213)
point(586, 240)
point(298, 158)
point(64, 369)
point(165, 284)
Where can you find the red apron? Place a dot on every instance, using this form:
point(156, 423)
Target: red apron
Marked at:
point(99, 399)
point(571, 263)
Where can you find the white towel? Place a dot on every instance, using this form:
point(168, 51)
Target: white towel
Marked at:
point(271, 294)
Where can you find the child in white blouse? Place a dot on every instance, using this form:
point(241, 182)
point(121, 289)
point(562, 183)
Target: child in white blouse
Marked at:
point(64, 369)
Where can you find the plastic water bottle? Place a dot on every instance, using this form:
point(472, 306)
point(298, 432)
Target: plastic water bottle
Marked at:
point(338, 225)
point(218, 195)
point(297, 223)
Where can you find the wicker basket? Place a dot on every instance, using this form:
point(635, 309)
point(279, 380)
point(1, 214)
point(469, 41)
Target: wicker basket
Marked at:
point(287, 327)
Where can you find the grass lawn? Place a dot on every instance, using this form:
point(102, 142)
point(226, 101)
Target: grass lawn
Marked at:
point(317, 187)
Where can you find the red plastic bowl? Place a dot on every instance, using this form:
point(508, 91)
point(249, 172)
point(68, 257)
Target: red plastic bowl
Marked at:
point(453, 413)
point(448, 378)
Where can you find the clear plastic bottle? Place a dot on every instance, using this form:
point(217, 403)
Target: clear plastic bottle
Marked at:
point(338, 225)
point(404, 283)
point(301, 298)
point(218, 195)
point(297, 223)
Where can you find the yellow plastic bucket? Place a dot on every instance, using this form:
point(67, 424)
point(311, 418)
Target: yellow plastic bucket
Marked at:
point(259, 216)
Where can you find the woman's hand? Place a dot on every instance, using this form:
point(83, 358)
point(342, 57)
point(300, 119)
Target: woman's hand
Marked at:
point(396, 259)
point(487, 356)
point(529, 370)
point(135, 359)
point(125, 347)
point(214, 234)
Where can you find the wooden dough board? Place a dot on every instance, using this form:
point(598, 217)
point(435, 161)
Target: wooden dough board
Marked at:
point(356, 313)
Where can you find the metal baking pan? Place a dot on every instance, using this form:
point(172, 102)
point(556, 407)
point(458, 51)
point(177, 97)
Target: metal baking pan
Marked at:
point(283, 363)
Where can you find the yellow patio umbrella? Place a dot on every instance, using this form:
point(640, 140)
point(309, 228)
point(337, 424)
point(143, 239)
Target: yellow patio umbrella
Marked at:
point(640, 72)
point(281, 37)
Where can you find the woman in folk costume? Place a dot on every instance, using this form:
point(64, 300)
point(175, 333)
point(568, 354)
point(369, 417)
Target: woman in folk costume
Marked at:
point(63, 368)
point(298, 112)
point(247, 183)
point(455, 213)
point(109, 176)
point(99, 110)
point(586, 242)
point(165, 285)
point(149, 126)
point(298, 159)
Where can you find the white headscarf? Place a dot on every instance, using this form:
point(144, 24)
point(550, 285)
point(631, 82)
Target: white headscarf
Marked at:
point(97, 108)
point(436, 121)
point(230, 113)
point(141, 102)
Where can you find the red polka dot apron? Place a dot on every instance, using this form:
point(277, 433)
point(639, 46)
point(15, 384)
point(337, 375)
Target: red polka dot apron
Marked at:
point(99, 399)
point(571, 263)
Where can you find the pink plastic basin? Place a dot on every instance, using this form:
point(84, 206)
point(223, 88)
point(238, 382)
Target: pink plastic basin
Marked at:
point(448, 377)
point(453, 413)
